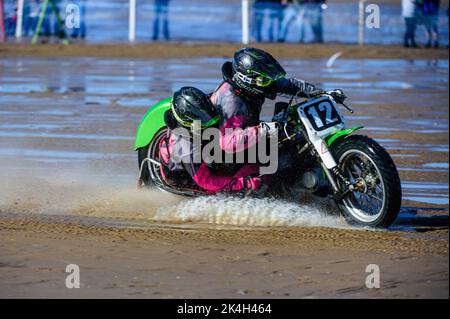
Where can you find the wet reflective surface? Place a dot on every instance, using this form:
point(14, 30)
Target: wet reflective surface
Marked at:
point(81, 113)
point(220, 20)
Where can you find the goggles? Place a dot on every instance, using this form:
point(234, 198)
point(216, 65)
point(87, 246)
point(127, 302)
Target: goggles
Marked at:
point(260, 80)
point(263, 81)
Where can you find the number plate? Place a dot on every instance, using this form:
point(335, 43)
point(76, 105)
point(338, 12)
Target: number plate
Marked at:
point(321, 116)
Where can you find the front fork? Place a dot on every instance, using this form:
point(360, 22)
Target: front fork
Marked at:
point(331, 168)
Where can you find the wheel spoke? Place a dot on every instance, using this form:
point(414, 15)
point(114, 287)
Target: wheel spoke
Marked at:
point(375, 197)
point(358, 165)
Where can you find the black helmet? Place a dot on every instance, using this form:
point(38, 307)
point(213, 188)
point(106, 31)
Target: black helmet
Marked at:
point(189, 104)
point(255, 71)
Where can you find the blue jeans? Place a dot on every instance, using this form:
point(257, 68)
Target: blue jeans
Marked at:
point(293, 12)
point(275, 13)
point(313, 14)
point(161, 12)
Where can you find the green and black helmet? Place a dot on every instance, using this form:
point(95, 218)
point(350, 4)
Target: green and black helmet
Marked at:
point(189, 104)
point(255, 71)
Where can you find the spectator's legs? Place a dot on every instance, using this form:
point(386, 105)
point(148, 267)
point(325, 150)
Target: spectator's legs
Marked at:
point(258, 21)
point(301, 25)
point(413, 32)
point(46, 28)
point(26, 20)
point(316, 23)
point(165, 17)
point(275, 20)
point(319, 24)
point(26, 25)
point(308, 18)
point(157, 13)
point(10, 27)
point(34, 25)
point(280, 17)
point(409, 38)
point(435, 31)
point(428, 31)
point(82, 6)
point(291, 14)
point(46, 25)
point(56, 29)
point(272, 20)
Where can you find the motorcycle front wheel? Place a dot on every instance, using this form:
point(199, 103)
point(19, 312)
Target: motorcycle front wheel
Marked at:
point(376, 201)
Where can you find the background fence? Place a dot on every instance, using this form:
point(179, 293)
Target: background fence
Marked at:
point(221, 20)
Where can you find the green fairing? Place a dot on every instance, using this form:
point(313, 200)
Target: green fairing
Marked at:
point(333, 137)
point(151, 123)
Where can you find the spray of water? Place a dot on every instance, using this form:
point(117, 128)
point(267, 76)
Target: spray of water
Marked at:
point(85, 194)
point(226, 210)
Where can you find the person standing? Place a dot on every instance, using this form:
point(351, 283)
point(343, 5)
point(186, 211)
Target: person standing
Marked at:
point(259, 9)
point(276, 13)
point(161, 12)
point(293, 12)
point(31, 14)
point(274, 9)
point(410, 14)
point(313, 14)
point(430, 16)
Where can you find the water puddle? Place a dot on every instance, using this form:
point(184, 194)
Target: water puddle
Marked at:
point(436, 165)
point(426, 192)
point(409, 219)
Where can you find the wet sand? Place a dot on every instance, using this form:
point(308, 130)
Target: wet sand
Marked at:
point(194, 263)
point(225, 50)
point(68, 194)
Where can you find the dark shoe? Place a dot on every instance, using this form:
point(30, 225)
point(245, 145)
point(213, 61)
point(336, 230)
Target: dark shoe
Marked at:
point(428, 45)
point(436, 45)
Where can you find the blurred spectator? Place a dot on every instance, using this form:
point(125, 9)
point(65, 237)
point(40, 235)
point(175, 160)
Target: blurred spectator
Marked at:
point(161, 13)
point(50, 25)
point(31, 17)
point(276, 13)
point(81, 31)
point(259, 8)
point(274, 9)
point(430, 19)
point(294, 12)
point(313, 15)
point(10, 23)
point(410, 14)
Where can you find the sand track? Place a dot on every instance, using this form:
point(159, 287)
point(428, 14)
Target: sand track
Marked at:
point(168, 262)
point(111, 232)
point(320, 237)
point(177, 50)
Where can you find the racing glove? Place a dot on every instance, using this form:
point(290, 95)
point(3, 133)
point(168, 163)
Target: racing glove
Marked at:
point(316, 93)
point(338, 95)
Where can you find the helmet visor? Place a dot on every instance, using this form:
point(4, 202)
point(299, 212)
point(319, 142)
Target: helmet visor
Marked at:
point(263, 81)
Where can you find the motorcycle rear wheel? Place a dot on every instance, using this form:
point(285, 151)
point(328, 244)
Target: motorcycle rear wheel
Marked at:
point(377, 201)
point(151, 151)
